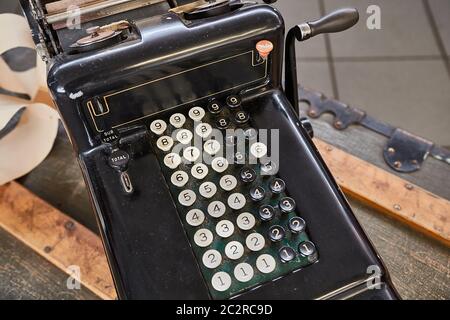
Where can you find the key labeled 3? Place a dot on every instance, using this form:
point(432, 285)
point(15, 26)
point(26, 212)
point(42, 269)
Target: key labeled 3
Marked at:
point(203, 238)
point(225, 228)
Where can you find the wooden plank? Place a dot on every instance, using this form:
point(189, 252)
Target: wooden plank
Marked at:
point(58, 181)
point(418, 265)
point(56, 237)
point(24, 274)
point(368, 146)
point(415, 206)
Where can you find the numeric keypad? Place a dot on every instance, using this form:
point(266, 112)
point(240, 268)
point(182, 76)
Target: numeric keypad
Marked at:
point(241, 222)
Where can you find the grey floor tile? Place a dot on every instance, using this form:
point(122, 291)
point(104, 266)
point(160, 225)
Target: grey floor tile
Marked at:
point(297, 11)
point(9, 6)
point(315, 76)
point(441, 14)
point(405, 30)
point(411, 95)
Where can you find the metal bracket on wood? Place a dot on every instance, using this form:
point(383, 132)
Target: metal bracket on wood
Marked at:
point(404, 152)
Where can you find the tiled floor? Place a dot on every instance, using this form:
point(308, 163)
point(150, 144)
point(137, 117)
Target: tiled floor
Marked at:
point(400, 74)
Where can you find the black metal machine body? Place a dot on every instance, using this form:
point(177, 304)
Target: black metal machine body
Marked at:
point(112, 90)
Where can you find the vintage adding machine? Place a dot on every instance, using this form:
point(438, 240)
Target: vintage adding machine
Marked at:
point(152, 93)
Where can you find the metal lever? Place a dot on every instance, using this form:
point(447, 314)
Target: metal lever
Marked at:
point(336, 21)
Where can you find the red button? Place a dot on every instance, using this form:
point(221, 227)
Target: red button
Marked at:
point(264, 48)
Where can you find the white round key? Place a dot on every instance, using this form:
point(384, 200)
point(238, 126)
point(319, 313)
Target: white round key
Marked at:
point(172, 160)
point(207, 189)
point(216, 209)
point(191, 154)
point(187, 198)
point(221, 281)
point(255, 241)
point(203, 238)
point(225, 228)
point(228, 182)
point(179, 178)
point(184, 136)
point(158, 127)
point(164, 143)
point(195, 217)
point(212, 259)
point(234, 250)
point(236, 201)
point(204, 130)
point(266, 263)
point(246, 221)
point(196, 113)
point(219, 164)
point(199, 171)
point(211, 147)
point(258, 150)
point(243, 272)
point(177, 120)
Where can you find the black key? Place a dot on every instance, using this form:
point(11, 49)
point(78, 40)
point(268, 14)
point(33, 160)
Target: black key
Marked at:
point(251, 134)
point(286, 254)
point(287, 205)
point(214, 107)
point(277, 186)
point(233, 101)
point(222, 123)
point(119, 159)
point(241, 117)
point(269, 168)
point(276, 233)
point(308, 249)
point(297, 225)
point(266, 212)
point(257, 193)
point(248, 175)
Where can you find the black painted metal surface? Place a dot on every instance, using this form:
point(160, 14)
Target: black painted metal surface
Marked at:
point(146, 245)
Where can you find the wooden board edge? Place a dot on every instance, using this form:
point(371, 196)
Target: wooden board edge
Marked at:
point(55, 236)
point(388, 193)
